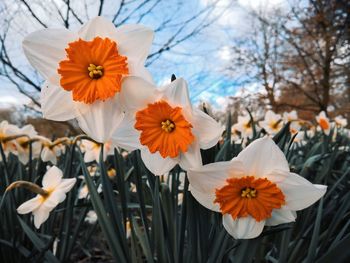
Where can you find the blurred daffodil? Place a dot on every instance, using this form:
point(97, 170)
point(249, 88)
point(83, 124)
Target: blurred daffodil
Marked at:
point(244, 126)
point(5, 132)
point(253, 190)
point(163, 125)
point(84, 71)
point(323, 122)
point(50, 150)
point(292, 118)
point(272, 122)
point(340, 121)
point(93, 150)
point(24, 140)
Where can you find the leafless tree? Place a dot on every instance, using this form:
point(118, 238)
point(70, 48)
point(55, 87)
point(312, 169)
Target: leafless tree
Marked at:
point(301, 59)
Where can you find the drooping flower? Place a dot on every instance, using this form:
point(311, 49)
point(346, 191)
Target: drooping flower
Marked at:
point(272, 122)
point(5, 132)
point(163, 125)
point(25, 140)
point(253, 190)
point(54, 192)
point(50, 150)
point(84, 71)
point(93, 150)
point(323, 122)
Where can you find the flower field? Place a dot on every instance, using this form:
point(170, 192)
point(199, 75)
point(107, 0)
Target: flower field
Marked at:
point(150, 177)
point(118, 209)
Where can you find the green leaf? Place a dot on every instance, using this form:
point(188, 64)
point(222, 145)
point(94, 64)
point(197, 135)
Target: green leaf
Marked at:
point(341, 253)
point(315, 235)
point(103, 218)
point(37, 242)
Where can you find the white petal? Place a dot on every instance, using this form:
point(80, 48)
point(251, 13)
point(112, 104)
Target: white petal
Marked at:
point(134, 41)
point(177, 93)
point(100, 119)
point(126, 136)
point(207, 178)
point(54, 199)
point(206, 129)
point(277, 176)
point(66, 184)
point(156, 163)
point(242, 228)
point(29, 205)
point(47, 155)
point(89, 156)
point(52, 178)
point(280, 216)
point(263, 156)
point(97, 153)
point(192, 158)
point(56, 103)
point(205, 199)
point(97, 27)
point(136, 93)
point(139, 70)
point(46, 48)
point(299, 192)
point(41, 215)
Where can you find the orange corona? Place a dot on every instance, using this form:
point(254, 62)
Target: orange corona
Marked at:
point(164, 129)
point(249, 196)
point(324, 124)
point(93, 69)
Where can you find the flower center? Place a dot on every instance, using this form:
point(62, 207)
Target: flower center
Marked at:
point(82, 72)
point(95, 72)
point(164, 129)
point(44, 197)
point(168, 126)
point(249, 196)
point(275, 124)
point(248, 192)
point(324, 124)
point(247, 125)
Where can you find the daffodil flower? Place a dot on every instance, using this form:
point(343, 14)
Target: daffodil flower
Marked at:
point(163, 125)
point(21, 145)
point(244, 126)
point(340, 121)
point(272, 122)
point(5, 132)
point(292, 118)
point(253, 190)
point(323, 122)
point(50, 150)
point(50, 195)
point(84, 71)
point(93, 150)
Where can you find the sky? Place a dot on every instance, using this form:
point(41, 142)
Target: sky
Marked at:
point(201, 60)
